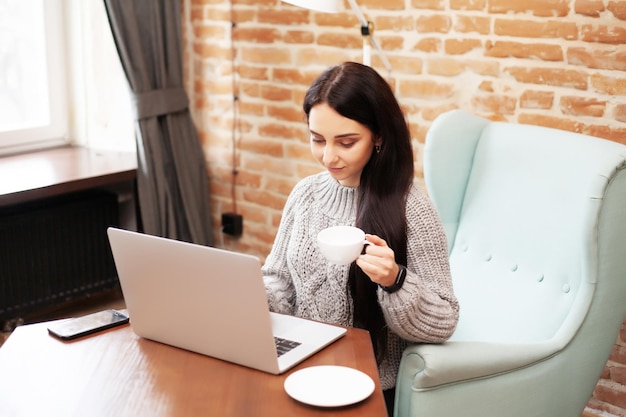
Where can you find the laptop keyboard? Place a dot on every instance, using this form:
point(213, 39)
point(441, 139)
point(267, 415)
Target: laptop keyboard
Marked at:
point(283, 345)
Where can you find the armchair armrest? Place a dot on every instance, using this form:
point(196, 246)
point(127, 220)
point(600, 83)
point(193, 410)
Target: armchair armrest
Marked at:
point(433, 365)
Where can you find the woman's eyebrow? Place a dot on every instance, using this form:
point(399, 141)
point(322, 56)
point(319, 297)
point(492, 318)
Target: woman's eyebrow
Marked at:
point(343, 135)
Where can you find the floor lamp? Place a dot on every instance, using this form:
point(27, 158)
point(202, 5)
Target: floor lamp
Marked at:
point(367, 28)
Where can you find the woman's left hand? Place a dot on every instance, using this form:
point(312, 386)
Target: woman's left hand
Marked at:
point(378, 261)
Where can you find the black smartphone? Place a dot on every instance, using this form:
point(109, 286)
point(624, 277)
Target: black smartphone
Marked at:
point(91, 323)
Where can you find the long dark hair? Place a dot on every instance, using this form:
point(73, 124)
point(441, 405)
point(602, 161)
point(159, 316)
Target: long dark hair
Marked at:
point(359, 93)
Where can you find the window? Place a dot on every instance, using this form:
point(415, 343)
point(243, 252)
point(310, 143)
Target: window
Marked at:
point(32, 84)
point(60, 77)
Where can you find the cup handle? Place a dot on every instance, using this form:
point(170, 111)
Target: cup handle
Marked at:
point(365, 243)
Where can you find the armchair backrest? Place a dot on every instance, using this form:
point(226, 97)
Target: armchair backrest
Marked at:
point(522, 209)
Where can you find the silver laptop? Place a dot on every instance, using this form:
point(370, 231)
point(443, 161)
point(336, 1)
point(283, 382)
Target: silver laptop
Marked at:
point(210, 301)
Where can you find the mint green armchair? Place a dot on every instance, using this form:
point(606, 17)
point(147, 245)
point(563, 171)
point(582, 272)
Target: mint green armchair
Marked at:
point(536, 226)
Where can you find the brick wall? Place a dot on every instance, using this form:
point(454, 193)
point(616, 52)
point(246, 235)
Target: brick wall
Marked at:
point(557, 63)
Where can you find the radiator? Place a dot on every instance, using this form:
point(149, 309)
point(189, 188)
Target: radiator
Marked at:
point(55, 250)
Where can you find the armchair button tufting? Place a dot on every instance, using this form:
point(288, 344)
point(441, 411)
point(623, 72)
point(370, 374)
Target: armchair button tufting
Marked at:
point(540, 279)
point(566, 288)
point(488, 257)
point(514, 267)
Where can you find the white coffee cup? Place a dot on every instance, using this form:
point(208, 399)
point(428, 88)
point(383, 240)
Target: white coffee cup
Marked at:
point(341, 245)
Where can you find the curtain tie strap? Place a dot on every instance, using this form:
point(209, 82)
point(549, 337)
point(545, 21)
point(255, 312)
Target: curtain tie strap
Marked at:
point(160, 102)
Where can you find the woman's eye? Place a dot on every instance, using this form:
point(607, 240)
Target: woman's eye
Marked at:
point(317, 140)
point(347, 144)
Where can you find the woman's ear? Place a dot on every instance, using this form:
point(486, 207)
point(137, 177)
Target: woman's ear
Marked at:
point(378, 141)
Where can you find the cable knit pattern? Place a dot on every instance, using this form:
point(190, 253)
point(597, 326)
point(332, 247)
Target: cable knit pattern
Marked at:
point(300, 282)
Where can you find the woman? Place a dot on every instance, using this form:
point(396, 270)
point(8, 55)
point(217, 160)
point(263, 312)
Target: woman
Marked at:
point(400, 288)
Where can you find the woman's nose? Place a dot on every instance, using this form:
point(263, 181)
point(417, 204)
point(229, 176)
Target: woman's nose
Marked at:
point(329, 155)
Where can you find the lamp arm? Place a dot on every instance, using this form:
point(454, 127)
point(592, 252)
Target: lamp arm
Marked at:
point(383, 57)
point(365, 24)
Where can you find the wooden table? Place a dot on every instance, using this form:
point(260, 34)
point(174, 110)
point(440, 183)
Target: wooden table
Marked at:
point(116, 373)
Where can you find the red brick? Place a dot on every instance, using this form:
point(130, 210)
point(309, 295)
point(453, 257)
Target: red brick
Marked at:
point(545, 8)
point(608, 85)
point(299, 36)
point(391, 43)
point(591, 8)
point(536, 29)
point(611, 393)
point(316, 56)
point(249, 89)
point(211, 50)
point(444, 66)
point(494, 103)
point(248, 178)
point(269, 147)
point(428, 45)
point(340, 40)
point(550, 121)
point(306, 169)
point(618, 9)
point(614, 35)
point(382, 4)
point(292, 16)
point(299, 150)
point(581, 106)
point(216, 14)
point(428, 4)
point(461, 46)
point(395, 23)
point(258, 35)
point(433, 23)
point(431, 113)
point(486, 86)
point(252, 109)
point(265, 55)
point(213, 30)
point(287, 113)
point(468, 24)
point(292, 76)
point(488, 68)
point(610, 59)
point(536, 99)
point(265, 198)
point(550, 76)
point(251, 213)
point(425, 89)
point(503, 49)
point(281, 185)
point(338, 20)
point(263, 163)
point(618, 374)
point(605, 410)
point(606, 132)
point(620, 113)
point(253, 72)
point(277, 130)
point(468, 4)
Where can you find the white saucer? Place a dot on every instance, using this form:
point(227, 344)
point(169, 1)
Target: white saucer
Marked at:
point(329, 386)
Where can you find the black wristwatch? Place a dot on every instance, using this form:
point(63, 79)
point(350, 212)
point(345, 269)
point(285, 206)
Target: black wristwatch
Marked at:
point(399, 281)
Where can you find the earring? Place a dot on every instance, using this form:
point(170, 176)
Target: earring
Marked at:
point(377, 147)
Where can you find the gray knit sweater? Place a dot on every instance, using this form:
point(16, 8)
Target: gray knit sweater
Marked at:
point(300, 282)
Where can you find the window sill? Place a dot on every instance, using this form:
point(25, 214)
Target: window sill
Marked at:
point(36, 175)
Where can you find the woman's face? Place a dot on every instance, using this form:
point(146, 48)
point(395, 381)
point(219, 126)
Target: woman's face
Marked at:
point(342, 145)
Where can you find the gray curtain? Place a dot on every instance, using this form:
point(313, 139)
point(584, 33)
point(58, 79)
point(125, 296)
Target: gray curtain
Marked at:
point(172, 179)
